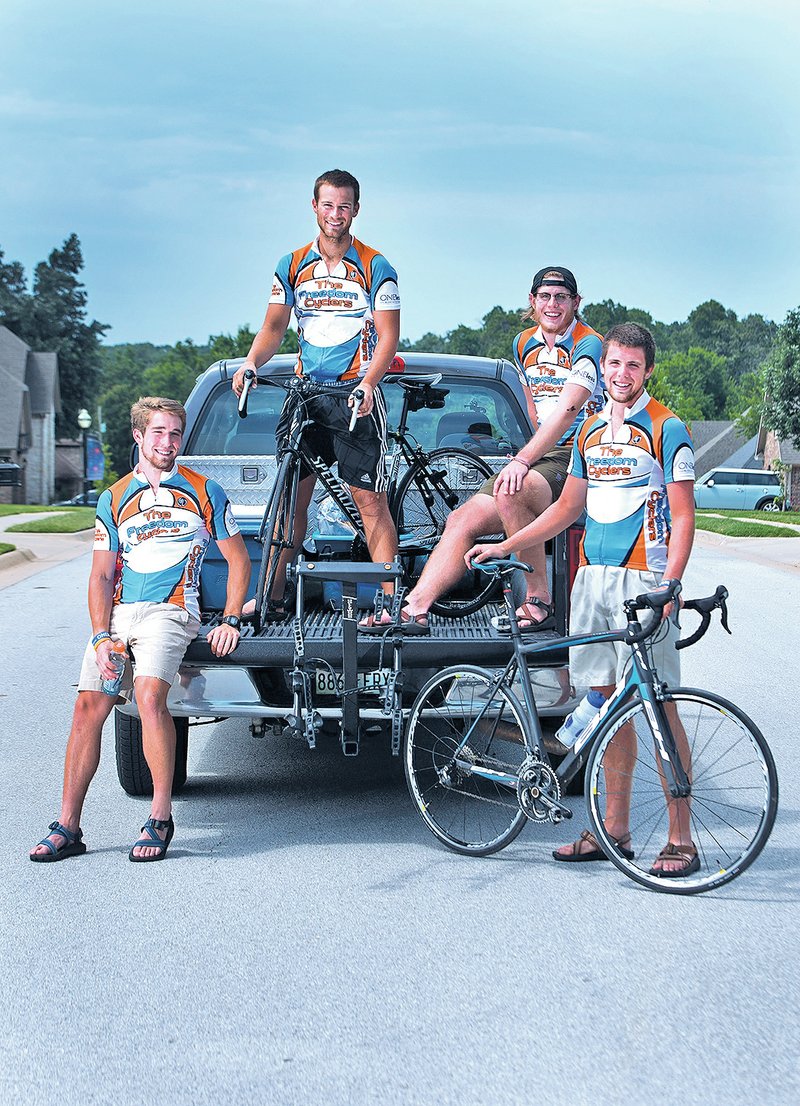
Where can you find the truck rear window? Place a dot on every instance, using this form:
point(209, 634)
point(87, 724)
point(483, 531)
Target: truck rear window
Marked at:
point(477, 415)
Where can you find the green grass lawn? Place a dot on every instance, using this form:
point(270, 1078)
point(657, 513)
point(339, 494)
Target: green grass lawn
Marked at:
point(764, 516)
point(24, 509)
point(6, 548)
point(68, 521)
point(738, 524)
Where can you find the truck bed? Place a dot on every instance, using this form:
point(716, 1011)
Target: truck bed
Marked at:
point(469, 639)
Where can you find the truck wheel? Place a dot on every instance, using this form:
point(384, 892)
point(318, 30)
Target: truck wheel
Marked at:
point(134, 775)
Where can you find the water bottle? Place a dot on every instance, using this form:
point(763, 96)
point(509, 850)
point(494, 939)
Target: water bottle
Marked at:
point(117, 657)
point(331, 519)
point(580, 718)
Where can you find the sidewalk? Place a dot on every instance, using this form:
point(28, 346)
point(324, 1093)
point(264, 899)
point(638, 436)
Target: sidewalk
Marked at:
point(37, 552)
point(777, 552)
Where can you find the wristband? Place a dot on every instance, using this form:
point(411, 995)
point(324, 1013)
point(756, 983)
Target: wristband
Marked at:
point(104, 635)
point(520, 461)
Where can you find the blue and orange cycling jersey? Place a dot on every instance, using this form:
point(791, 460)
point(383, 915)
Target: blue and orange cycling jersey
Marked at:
point(627, 512)
point(335, 309)
point(161, 537)
point(574, 359)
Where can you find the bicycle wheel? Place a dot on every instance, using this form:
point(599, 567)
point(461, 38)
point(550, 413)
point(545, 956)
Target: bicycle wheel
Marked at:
point(461, 722)
point(278, 527)
point(429, 490)
point(734, 789)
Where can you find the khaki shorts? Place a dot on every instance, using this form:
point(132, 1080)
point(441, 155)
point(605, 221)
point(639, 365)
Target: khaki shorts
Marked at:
point(156, 636)
point(596, 606)
point(553, 467)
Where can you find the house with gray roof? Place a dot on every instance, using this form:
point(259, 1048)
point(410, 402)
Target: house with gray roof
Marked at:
point(30, 398)
point(719, 442)
point(785, 457)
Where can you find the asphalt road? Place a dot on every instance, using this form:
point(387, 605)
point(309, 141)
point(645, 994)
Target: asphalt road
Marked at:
point(308, 941)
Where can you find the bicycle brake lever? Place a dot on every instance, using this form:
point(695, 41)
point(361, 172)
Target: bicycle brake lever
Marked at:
point(723, 615)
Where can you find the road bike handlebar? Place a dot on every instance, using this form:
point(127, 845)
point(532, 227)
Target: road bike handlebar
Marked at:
point(249, 377)
point(358, 395)
point(706, 607)
point(654, 601)
point(657, 600)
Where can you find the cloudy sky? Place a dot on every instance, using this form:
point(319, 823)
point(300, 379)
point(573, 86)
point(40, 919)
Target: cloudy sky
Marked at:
point(650, 145)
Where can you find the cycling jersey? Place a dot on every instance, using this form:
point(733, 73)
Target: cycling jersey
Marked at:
point(161, 537)
point(627, 512)
point(335, 309)
point(574, 359)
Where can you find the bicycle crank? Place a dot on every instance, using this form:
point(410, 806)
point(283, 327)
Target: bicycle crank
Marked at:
point(539, 792)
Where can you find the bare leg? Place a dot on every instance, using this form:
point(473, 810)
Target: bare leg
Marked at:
point(379, 529)
point(158, 744)
point(445, 566)
point(92, 708)
point(517, 511)
point(617, 764)
point(678, 810)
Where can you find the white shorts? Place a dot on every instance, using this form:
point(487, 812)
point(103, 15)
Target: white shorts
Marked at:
point(596, 606)
point(156, 636)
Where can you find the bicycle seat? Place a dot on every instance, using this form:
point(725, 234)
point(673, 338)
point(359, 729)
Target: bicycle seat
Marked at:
point(415, 383)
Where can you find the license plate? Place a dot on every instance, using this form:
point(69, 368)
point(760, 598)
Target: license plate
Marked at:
point(331, 683)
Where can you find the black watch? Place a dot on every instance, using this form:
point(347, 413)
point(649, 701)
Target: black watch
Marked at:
point(232, 620)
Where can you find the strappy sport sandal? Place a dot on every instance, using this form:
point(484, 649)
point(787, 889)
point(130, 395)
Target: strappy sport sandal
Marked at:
point(687, 854)
point(595, 853)
point(152, 840)
point(73, 845)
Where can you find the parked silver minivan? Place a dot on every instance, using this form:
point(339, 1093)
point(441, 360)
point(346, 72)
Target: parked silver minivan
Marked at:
point(739, 489)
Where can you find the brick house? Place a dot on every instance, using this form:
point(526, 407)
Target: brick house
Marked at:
point(782, 455)
point(30, 398)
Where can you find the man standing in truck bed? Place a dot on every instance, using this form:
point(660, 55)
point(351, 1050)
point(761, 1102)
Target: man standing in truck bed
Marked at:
point(347, 305)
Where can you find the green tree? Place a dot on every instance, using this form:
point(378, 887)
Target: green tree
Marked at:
point(692, 384)
point(782, 379)
point(56, 320)
point(602, 316)
point(14, 298)
point(117, 402)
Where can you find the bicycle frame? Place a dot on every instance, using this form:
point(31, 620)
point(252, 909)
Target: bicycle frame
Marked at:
point(427, 478)
point(642, 679)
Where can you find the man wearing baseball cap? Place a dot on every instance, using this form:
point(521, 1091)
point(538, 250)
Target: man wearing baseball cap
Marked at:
point(558, 359)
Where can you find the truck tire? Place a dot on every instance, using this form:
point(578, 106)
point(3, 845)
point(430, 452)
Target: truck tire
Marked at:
point(132, 770)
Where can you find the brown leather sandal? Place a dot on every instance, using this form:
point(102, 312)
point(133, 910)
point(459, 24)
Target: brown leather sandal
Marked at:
point(595, 853)
point(687, 854)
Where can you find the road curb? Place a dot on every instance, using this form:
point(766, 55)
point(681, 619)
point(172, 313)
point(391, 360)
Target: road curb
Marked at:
point(16, 557)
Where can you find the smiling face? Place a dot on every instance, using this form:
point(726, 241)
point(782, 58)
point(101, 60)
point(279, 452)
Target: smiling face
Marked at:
point(160, 443)
point(625, 373)
point(335, 209)
point(554, 308)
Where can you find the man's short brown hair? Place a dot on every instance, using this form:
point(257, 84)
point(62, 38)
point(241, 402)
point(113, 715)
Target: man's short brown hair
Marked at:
point(146, 406)
point(631, 336)
point(338, 178)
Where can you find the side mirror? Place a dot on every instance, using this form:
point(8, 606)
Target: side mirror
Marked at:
point(709, 483)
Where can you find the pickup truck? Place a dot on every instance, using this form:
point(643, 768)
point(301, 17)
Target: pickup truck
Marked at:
point(485, 412)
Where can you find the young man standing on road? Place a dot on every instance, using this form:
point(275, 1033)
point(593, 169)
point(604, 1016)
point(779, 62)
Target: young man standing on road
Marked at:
point(347, 305)
point(559, 362)
point(151, 534)
point(632, 469)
